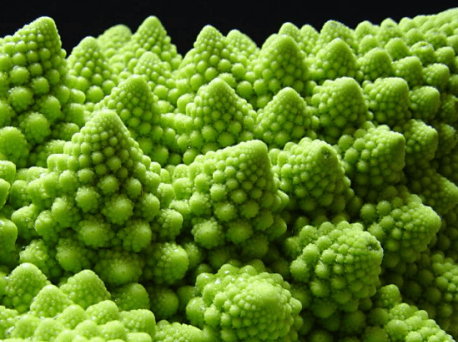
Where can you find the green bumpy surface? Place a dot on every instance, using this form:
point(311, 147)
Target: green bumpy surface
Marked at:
point(90, 71)
point(138, 109)
point(245, 304)
point(302, 189)
point(340, 264)
point(373, 158)
point(215, 119)
point(62, 314)
point(340, 106)
point(285, 118)
point(280, 64)
point(37, 103)
point(390, 220)
point(312, 173)
point(231, 196)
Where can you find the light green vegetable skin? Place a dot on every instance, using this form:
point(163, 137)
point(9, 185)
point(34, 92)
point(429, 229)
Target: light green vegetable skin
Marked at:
point(303, 190)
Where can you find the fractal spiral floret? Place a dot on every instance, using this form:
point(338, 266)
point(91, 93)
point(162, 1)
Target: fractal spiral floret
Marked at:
point(302, 190)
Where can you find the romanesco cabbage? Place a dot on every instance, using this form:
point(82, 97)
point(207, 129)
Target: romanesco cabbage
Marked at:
point(302, 190)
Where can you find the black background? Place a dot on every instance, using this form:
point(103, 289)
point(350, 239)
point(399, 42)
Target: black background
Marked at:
point(183, 20)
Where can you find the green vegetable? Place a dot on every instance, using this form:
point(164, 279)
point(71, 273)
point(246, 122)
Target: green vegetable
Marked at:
point(244, 304)
point(302, 190)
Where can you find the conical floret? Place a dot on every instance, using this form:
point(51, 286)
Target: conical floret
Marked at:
point(217, 118)
point(235, 197)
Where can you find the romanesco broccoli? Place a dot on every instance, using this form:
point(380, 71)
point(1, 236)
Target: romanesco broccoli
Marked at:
point(302, 189)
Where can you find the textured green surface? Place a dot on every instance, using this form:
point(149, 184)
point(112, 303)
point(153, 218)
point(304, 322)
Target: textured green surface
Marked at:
point(301, 190)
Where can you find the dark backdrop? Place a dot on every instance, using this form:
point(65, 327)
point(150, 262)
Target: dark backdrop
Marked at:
point(184, 20)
